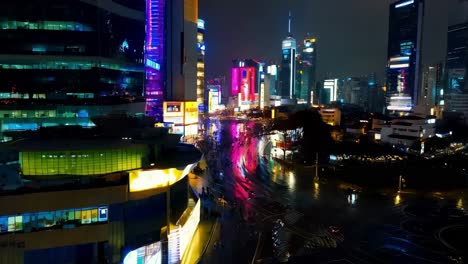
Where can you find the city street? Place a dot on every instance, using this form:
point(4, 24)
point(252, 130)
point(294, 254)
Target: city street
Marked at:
point(324, 220)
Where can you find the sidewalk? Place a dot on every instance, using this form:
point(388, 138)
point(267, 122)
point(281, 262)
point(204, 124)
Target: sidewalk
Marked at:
point(201, 238)
point(232, 242)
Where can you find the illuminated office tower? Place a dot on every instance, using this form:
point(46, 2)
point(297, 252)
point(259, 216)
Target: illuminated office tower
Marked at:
point(455, 99)
point(309, 59)
point(330, 91)
point(457, 58)
point(288, 66)
point(201, 64)
point(155, 56)
point(190, 53)
point(404, 55)
point(171, 53)
point(66, 62)
point(431, 90)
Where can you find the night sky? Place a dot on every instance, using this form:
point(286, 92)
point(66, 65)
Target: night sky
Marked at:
point(352, 34)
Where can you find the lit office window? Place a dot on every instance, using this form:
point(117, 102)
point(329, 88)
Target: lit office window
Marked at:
point(45, 25)
point(29, 222)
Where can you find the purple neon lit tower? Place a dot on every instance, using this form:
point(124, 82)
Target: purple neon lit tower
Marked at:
point(154, 58)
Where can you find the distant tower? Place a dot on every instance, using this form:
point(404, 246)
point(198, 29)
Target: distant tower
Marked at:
point(288, 65)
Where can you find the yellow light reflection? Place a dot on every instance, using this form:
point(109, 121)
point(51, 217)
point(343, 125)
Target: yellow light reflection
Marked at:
point(397, 200)
point(292, 179)
point(316, 190)
point(460, 204)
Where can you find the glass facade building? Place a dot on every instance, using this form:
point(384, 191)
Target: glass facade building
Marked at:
point(457, 59)
point(87, 196)
point(306, 67)
point(404, 51)
point(62, 48)
point(61, 54)
point(82, 162)
point(287, 75)
point(201, 49)
point(155, 57)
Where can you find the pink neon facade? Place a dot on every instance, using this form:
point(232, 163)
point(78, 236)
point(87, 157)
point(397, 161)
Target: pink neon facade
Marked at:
point(243, 82)
point(235, 81)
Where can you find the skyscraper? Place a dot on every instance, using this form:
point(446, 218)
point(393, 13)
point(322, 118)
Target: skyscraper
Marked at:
point(245, 81)
point(190, 52)
point(457, 58)
point(201, 63)
point(330, 91)
point(456, 68)
point(309, 60)
point(171, 53)
point(155, 57)
point(431, 89)
point(288, 66)
point(404, 54)
point(66, 62)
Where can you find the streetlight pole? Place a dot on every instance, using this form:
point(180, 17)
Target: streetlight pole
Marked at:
point(400, 180)
point(316, 178)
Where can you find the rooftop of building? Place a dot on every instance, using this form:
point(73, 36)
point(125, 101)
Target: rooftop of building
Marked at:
point(109, 135)
point(111, 132)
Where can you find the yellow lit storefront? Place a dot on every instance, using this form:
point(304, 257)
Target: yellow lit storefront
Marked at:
point(143, 180)
point(182, 117)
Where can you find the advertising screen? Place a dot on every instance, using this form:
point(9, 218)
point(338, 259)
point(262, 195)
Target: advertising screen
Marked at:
point(244, 83)
point(150, 254)
point(180, 237)
point(247, 88)
point(400, 103)
point(214, 97)
point(235, 81)
point(173, 109)
point(191, 113)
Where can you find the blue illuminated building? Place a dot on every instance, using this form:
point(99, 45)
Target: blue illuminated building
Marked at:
point(155, 57)
point(171, 53)
point(287, 75)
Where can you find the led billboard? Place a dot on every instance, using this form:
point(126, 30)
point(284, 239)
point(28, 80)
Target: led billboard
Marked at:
point(214, 97)
point(244, 84)
point(150, 254)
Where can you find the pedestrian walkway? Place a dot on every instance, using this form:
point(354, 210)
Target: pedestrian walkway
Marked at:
point(200, 240)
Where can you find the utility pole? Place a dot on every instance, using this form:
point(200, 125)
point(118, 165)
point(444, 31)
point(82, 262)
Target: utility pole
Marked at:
point(400, 183)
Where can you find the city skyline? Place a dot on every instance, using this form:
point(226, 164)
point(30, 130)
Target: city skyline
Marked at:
point(353, 44)
point(208, 131)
